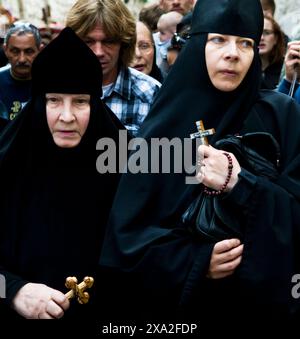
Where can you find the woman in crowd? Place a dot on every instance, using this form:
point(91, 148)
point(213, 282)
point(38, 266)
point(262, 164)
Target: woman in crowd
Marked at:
point(145, 52)
point(54, 204)
point(271, 52)
point(244, 279)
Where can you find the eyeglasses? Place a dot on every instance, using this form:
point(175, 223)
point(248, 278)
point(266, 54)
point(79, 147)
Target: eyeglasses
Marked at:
point(144, 47)
point(267, 32)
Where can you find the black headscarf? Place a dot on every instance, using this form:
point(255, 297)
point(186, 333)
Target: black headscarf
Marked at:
point(54, 204)
point(181, 88)
point(145, 234)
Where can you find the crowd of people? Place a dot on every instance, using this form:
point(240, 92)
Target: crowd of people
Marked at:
point(223, 249)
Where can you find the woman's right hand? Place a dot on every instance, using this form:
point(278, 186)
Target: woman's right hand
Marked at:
point(38, 301)
point(226, 256)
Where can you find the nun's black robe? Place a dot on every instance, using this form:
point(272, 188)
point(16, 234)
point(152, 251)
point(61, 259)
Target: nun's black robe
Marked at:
point(53, 202)
point(146, 236)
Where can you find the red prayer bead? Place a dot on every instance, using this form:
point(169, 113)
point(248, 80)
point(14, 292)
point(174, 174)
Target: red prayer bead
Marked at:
point(209, 191)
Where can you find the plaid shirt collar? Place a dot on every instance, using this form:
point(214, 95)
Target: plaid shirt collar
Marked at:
point(123, 84)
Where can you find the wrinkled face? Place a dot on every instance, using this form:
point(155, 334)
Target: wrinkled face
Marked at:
point(68, 116)
point(144, 49)
point(228, 59)
point(180, 6)
point(21, 50)
point(107, 51)
point(268, 39)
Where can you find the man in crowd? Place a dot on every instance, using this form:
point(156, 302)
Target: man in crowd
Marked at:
point(21, 45)
point(180, 6)
point(108, 28)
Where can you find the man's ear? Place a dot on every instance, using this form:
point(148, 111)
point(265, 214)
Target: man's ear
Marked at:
point(5, 48)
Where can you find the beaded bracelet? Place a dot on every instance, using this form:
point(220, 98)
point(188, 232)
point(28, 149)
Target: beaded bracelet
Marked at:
point(209, 191)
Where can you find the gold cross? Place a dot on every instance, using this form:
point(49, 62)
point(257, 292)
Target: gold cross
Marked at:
point(78, 291)
point(202, 133)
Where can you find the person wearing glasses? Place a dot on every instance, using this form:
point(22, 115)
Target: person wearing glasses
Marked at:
point(271, 52)
point(108, 28)
point(22, 44)
point(145, 52)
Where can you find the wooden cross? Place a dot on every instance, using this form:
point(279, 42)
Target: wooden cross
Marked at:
point(78, 291)
point(202, 133)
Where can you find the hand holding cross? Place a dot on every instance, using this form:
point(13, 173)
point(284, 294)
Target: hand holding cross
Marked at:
point(79, 290)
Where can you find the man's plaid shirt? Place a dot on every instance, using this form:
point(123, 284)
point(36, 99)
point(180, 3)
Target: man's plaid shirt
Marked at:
point(131, 97)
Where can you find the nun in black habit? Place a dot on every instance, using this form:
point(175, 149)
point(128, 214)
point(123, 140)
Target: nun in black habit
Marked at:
point(54, 204)
point(246, 279)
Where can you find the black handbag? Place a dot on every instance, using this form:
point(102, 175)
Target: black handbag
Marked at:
point(215, 218)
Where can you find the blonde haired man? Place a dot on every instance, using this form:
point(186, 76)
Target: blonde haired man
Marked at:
point(108, 28)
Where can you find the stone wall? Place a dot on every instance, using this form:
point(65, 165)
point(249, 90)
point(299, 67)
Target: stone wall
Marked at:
point(287, 12)
point(288, 16)
point(32, 9)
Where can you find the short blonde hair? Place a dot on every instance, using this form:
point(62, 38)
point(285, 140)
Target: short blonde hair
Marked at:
point(117, 21)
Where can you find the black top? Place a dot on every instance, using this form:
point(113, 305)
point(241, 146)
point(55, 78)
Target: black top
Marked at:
point(271, 75)
point(53, 202)
point(145, 233)
point(3, 123)
point(13, 94)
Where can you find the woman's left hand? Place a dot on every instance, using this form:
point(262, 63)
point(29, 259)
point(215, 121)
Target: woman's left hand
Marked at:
point(214, 168)
point(225, 258)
